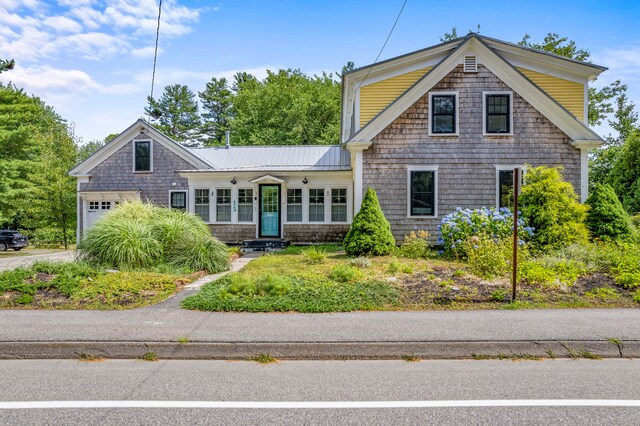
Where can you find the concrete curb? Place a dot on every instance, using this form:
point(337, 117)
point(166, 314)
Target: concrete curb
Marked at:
point(322, 350)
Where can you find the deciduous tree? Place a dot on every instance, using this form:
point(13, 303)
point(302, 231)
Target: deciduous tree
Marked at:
point(286, 108)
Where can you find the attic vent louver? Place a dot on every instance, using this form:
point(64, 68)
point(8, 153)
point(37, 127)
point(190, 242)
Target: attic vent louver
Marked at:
point(470, 64)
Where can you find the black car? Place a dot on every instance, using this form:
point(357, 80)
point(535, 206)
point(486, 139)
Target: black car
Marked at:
point(12, 239)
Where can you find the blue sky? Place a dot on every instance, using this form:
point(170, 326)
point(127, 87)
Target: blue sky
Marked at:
point(92, 59)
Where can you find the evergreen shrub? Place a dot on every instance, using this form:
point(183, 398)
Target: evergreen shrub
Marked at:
point(550, 205)
point(370, 232)
point(606, 218)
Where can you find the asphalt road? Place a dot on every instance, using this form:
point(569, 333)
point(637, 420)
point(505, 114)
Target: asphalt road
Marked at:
point(299, 390)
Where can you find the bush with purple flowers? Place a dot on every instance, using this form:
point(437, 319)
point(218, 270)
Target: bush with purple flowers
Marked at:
point(466, 226)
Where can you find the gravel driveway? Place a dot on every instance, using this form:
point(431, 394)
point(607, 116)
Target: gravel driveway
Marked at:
point(14, 262)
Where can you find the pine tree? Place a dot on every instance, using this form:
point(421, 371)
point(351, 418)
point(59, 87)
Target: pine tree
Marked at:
point(176, 114)
point(216, 99)
point(370, 232)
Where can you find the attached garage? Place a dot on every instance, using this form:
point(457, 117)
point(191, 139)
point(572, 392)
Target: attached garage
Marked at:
point(96, 204)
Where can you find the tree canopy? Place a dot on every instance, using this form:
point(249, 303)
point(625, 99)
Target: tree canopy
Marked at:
point(176, 113)
point(38, 150)
point(287, 108)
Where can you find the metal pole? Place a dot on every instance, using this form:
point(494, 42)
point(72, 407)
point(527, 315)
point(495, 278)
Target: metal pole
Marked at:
point(516, 189)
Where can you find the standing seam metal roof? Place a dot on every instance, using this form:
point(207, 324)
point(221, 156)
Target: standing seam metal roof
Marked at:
point(276, 158)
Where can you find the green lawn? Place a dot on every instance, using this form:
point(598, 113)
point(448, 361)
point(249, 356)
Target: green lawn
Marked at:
point(306, 280)
point(78, 285)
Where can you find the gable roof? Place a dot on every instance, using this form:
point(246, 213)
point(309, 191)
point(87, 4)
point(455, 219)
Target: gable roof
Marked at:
point(139, 127)
point(277, 158)
point(505, 71)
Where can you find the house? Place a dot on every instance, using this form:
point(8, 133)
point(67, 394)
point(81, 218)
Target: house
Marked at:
point(430, 131)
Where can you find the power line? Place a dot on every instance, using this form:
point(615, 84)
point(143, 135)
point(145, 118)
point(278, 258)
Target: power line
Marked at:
point(155, 56)
point(384, 45)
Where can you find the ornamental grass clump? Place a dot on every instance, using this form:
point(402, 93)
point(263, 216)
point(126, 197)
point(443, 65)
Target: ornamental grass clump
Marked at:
point(463, 230)
point(137, 235)
point(370, 232)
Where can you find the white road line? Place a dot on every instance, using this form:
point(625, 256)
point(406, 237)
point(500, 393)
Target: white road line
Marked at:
point(18, 405)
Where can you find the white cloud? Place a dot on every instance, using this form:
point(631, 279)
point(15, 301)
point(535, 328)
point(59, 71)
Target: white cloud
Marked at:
point(145, 52)
point(16, 4)
point(94, 45)
point(75, 3)
point(113, 27)
point(62, 24)
point(623, 64)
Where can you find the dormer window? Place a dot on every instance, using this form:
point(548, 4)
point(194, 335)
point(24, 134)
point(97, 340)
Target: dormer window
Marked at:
point(142, 158)
point(444, 111)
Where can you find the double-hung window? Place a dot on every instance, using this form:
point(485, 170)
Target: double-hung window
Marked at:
point(422, 192)
point(178, 200)
point(142, 156)
point(316, 205)
point(294, 205)
point(223, 205)
point(443, 113)
point(201, 203)
point(338, 204)
point(245, 205)
point(498, 113)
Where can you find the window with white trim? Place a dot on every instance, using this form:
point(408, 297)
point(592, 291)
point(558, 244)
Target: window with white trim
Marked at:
point(316, 204)
point(504, 184)
point(201, 203)
point(94, 205)
point(294, 205)
point(178, 200)
point(443, 113)
point(338, 204)
point(142, 156)
point(223, 205)
point(422, 193)
point(106, 205)
point(245, 205)
point(497, 113)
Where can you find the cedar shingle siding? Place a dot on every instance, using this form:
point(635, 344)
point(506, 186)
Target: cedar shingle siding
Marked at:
point(467, 173)
point(116, 174)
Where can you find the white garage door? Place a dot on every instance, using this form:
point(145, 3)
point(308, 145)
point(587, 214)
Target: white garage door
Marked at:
point(95, 209)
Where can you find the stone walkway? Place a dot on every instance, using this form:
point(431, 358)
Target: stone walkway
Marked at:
point(173, 302)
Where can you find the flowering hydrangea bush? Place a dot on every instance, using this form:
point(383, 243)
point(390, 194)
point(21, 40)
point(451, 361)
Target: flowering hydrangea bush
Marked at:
point(462, 227)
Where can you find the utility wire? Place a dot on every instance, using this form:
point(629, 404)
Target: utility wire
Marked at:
point(155, 57)
point(384, 45)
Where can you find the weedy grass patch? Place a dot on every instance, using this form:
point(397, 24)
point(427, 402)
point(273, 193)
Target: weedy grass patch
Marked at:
point(290, 281)
point(80, 285)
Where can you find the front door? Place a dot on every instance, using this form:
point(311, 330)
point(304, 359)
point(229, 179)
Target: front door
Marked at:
point(269, 211)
